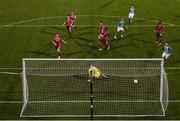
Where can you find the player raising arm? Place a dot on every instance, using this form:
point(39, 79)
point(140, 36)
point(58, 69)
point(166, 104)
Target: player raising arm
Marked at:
point(120, 28)
point(95, 73)
point(167, 51)
point(131, 13)
point(159, 32)
point(57, 43)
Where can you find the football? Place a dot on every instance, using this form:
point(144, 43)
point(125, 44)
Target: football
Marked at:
point(135, 81)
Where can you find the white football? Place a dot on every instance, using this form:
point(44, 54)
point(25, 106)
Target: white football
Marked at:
point(135, 81)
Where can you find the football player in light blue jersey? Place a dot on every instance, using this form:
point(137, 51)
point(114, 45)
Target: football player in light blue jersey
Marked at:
point(120, 28)
point(131, 13)
point(167, 51)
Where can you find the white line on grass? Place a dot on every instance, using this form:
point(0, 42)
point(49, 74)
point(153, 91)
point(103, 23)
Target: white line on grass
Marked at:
point(31, 25)
point(10, 102)
point(10, 73)
point(80, 101)
point(54, 17)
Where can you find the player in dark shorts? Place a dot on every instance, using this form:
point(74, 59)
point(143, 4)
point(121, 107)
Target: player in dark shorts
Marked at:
point(159, 32)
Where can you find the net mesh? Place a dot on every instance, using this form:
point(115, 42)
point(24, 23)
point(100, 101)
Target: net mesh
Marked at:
point(60, 88)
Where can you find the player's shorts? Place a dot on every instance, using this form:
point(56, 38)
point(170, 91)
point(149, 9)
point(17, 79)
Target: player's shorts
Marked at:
point(159, 34)
point(69, 28)
point(100, 36)
point(58, 48)
point(120, 29)
point(104, 41)
point(131, 15)
point(165, 55)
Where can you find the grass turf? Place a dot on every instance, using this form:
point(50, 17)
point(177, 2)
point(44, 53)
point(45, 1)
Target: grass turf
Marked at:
point(19, 42)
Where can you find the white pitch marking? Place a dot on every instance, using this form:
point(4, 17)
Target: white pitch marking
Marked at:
point(54, 17)
point(10, 73)
point(31, 25)
point(20, 102)
point(10, 102)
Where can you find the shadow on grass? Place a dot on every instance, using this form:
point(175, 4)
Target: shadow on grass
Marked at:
point(85, 39)
point(107, 4)
point(84, 28)
point(177, 16)
point(39, 53)
point(173, 41)
point(85, 33)
point(153, 51)
point(50, 33)
point(132, 35)
point(58, 28)
point(120, 46)
point(174, 61)
point(138, 21)
point(141, 40)
point(91, 46)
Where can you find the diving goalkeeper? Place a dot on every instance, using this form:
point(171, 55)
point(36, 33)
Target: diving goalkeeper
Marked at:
point(95, 73)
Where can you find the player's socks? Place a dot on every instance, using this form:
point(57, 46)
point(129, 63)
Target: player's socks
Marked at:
point(159, 44)
point(156, 42)
point(129, 21)
point(59, 57)
point(108, 47)
point(122, 36)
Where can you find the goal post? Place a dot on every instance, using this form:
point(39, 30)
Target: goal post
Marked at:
point(60, 88)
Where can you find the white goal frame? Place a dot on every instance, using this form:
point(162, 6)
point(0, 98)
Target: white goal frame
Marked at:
point(26, 94)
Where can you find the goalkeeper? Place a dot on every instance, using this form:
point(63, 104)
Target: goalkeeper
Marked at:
point(95, 73)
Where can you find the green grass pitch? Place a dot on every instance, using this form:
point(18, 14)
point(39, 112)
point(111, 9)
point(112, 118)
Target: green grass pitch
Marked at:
point(28, 26)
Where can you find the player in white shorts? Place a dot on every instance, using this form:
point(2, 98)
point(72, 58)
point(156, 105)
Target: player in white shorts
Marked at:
point(131, 13)
point(120, 28)
point(167, 51)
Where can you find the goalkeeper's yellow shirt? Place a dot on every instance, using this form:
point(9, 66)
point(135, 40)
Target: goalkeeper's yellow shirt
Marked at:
point(95, 72)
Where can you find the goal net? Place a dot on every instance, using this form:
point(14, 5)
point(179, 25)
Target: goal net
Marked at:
point(60, 88)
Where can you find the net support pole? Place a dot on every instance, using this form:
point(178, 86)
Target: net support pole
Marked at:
point(161, 86)
point(91, 96)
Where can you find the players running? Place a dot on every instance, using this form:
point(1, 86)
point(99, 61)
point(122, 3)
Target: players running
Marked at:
point(104, 34)
point(159, 32)
point(131, 14)
point(57, 41)
point(120, 29)
point(95, 73)
point(167, 51)
point(70, 22)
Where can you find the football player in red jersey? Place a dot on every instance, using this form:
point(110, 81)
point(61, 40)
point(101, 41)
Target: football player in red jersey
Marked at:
point(69, 24)
point(57, 41)
point(73, 17)
point(101, 29)
point(104, 40)
point(159, 32)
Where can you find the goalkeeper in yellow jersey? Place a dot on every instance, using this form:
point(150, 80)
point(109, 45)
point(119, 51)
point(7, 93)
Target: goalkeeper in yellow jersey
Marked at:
point(95, 73)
